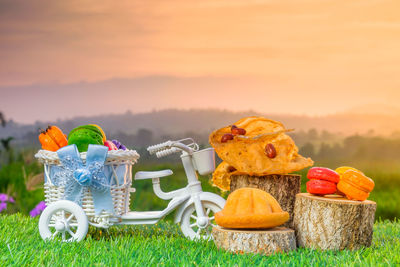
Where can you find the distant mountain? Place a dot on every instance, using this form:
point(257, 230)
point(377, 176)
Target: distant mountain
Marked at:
point(200, 123)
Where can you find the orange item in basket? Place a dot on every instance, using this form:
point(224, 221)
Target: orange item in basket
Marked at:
point(251, 208)
point(355, 185)
point(52, 138)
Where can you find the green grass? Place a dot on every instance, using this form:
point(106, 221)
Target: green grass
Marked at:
point(386, 193)
point(162, 244)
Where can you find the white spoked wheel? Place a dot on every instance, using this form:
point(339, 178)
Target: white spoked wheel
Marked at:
point(189, 223)
point(64, 219)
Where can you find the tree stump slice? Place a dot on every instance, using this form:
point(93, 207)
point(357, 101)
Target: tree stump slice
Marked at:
point(266, 241)
point(333, 223)
point(283, 187)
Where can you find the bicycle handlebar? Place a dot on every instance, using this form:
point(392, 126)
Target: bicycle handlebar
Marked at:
point(169, 147)
point(155, 148)
point(166, 152)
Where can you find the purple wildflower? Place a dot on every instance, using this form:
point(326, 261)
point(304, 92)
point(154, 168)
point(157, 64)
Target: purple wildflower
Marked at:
point(34, 212)
point(11, 200)
point(38, 209)
point(3, 206)
point(3, 197)
point(41, 206)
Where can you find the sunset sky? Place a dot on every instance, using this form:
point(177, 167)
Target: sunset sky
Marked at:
point(60, 59)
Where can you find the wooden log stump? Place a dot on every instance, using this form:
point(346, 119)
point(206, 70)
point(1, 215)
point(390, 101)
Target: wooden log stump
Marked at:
point(283, 187)
point(333, 223)
point(267, 242)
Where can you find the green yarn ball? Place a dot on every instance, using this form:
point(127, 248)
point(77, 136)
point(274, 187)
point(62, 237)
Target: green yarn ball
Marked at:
point(84, 135)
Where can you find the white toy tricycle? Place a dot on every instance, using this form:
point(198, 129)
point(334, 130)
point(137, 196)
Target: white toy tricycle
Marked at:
point(194, 208)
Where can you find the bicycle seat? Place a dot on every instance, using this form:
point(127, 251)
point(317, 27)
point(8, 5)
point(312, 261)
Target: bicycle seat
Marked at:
point(152, 174)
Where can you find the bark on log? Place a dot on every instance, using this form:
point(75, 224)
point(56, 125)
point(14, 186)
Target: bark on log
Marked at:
point(267, 242)
point(283, 187)
point(333, 223)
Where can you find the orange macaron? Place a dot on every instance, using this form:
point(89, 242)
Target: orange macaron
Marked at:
point(355, 185)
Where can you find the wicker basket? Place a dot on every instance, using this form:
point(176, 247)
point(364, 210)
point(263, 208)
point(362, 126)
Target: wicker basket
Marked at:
point(118, 168)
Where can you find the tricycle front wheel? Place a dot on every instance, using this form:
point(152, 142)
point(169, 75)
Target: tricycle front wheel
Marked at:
point(64, 219)
point(189, 225)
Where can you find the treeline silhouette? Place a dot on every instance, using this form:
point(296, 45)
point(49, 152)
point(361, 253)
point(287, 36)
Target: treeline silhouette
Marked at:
point(354, 148)
point(321, 146)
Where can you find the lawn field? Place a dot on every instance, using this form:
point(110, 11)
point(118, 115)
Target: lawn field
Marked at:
point(15, 177)
point(163, 245)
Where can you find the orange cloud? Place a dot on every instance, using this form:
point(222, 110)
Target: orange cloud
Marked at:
point(342, 50)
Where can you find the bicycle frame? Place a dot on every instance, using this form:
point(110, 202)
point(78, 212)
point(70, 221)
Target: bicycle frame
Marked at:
point(181, 198)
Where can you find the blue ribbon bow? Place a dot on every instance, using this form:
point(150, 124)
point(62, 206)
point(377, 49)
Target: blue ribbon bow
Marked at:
point(76, 176)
